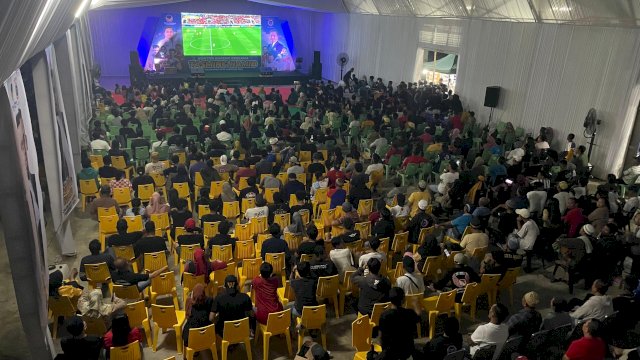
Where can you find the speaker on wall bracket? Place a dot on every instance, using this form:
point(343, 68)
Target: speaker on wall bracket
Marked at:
point(491, 99)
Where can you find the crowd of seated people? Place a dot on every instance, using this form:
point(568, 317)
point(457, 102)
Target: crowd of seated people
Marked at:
point(396, 191)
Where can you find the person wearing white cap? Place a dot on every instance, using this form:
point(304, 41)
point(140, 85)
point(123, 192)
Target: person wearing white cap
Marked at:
point(294, 166)
point(421, 194)
point(223, 135)
point(420, 221)
point(525, 236)
point(587, 234)
point(224, 166)
point(526, 321)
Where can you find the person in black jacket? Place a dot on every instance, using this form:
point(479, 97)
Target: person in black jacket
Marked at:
point(374, 288)
point(442, 344)
point(80, 346)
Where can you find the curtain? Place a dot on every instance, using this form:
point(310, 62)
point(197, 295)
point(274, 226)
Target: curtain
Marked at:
point(551, 75)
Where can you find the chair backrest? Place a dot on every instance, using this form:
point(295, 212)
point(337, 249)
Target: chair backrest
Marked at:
point(471, 292)
point(154, 261)
point(61, 305)
point(479, 252)
point(365, 206)
point(327, 286)
point(96, 161)
point(94, 326)
point(183, 189)
point(134, 223)
point(413, 301)
point(558, 335)
point(489, 282)
point(198, 180)
point(201, 338)
point(216, 189)
point(231, 209)
point(400, 241)
point(446, 301)
point(251, 267)
point(137, 312)
point(122, 195)
point(486, 352)
point(104, 212)
point(245, 250)
point(244, 231)
point(456, 355)
point(88, 187)
point(236, 331)
point(320, 196)
point(243, 183)
point(277, 260)
point(145, 191)
point(248, 203)
point(164, 283)
point(187, 252)
point(361, 334)
point(126, 291)
point(223, 252)
point(378, 309)
point(293, 241)
point(97, 272)
point(364, 228)
point(128, 352)
point(509, 278)
point(313, 317)
point(161, 221)
point(158, 179)
point(259, 224)
point(431, 266)
point(354, 246)
point(537, 341)
point(279, 322)
point(189, 280)
point(203, 210)
point(384, 245)
point(211, 229)
point(268, 194)
point(510, 347)
point(328, 216)
point(282, 219)
point(164, 315)
point(107, 224)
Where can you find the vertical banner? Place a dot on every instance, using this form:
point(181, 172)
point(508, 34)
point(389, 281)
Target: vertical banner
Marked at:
point(27, 152)
point(276, 54)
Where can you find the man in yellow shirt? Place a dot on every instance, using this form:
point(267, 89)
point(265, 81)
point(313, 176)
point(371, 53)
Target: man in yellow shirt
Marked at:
point(415, 197)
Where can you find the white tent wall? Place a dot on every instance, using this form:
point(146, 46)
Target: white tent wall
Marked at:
point(551, 75)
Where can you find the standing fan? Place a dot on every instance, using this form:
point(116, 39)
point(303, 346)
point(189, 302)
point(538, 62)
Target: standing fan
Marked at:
point(591, 123)
point(342, 60)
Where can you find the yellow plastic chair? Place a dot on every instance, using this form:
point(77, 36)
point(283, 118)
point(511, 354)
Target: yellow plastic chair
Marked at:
point(489, 286)
point(216, 278)
point(327, 217)
point(103, 212)
point(283, 220)
point(106, 181)
point(400, 242)
point(261, 239)
point(245, 250)
point(284, 178)
point(244, 231)
point(243, 183)
point(285, 294)
point(365, 207)
point(98, 274)
point(346, 289)
point(203, 210)
point(59, 306)
point(305, 216)
point(236, 332)
point(231, 209)
point(414, 302)
point(183, 192)
point(182, 157)
point(248, 203)
point(259, 224)
point(320, 197)
point(122, 196)
point(127, 292)
point(277, 260)
point(88, 189)
point(97, 161)
point(467, 230)
point(431, 267)
point(439, 305)
point(384, 245)
point(134, 223)
point(160, 181)
point(306, 257)
point(186, 254)
point(327, 288)
point(189, 281)
point(424, 232)
point(161, 222)
point(364, 228)
point(361, 329)
point(378, 309)
point(268, 194)
point(478, 253)
point(293, 241)
point(167, 317)
point(224, 252)
point(304, 156)
point(508, 280)
point(278, 323)
point(139, 317)
point(198, 183)
point(469, 298)
point(94, 326)
point(354, 246)
point(210, 229)
point(216, 189)
point(201, 339)
point(107, 227)
point(448, 263)
point(120, 163)
point(164, 284)
point(145, 192)
point(154, 261)
point(128, 352)
point(250, 270)
point(401, 222)
point(180, 230)
point(313, 317)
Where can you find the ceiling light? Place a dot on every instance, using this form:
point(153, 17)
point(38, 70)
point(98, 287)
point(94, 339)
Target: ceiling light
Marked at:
point(424, 72)
point(561, 8)
point(81, 8)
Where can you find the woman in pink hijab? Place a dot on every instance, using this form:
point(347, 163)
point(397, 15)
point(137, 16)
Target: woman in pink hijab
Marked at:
point(491, 142)
point(201, 266)
point(157, 205)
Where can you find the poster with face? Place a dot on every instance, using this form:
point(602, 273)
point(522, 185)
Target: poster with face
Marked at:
point(275, 49)
point(166, 46)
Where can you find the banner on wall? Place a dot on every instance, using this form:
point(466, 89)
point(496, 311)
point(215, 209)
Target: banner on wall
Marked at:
point(67, 189)
point(166, 47)
point(26, 150)
point(276, 54)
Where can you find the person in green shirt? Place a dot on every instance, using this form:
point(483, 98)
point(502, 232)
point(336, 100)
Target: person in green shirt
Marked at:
point(88, 172)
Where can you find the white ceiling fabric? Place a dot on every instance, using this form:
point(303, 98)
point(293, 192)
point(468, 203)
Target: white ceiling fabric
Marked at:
point(105, 4)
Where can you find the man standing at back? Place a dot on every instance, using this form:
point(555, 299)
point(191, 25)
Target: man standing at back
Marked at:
point(397, 328)
point(374, 288)
point(231, 305)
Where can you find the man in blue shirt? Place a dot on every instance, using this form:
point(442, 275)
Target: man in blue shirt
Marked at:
point(291, 187)
point(458, 224)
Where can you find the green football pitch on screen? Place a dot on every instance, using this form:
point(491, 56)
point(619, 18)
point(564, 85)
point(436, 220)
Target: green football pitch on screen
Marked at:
point(222, 41)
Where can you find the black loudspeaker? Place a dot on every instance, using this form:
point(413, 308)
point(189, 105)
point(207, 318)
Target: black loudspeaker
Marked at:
point(492, 96)
point(316, 70)
point(316, 56)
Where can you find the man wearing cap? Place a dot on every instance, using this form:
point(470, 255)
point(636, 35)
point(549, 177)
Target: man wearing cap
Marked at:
point(458, 277)
point(421, 194)
point(587, 235)
point(495, 332)
point(459, 224)
point(420, 221)
point(294, 166)
point(526, 234)
point(230, 305)
point(191, 237)
point(562, 196)
point(80, 345)
point(526, 321)
point(476, 238)
point(411, 282)
point(573, 218)
point(224, 166)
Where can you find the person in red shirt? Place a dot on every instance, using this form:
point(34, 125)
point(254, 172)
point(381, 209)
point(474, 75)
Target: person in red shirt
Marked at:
point(334, 174)
point(416, 158)
point(573, 218)
point(394, 150)
point(590, 346)
point(244, 172)
point(427, 137)
point(121, 333)
point(456, 122)
point(266, 293)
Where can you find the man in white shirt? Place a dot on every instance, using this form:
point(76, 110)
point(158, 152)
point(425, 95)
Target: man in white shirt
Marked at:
point(527, 232)
point(492, 333)
point(294, 166)
point(261, 209)
point(378, 143)
point(562, 196)
point(446, 179)
point(371, 251)
point(632, 203)
point(341, 256)
point(632, 174)
point(99, 144)
point(156, 144)
point(597, 306)
point(411, 282)
point(515, 156)
point(537, 198)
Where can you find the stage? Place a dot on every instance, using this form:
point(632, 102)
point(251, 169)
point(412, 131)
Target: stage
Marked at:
point(234, 78)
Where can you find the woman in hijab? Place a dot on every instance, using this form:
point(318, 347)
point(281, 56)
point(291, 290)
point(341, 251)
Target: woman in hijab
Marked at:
point(228, 194)
point(198, 310)
point(70, 288)
point(157, 205)
point(491, 142)
point(91, 305)
point(296, 227)
point(200, 265)
point(307, 124)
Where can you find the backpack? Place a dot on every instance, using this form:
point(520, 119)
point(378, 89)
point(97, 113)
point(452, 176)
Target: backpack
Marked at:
point(460, 280)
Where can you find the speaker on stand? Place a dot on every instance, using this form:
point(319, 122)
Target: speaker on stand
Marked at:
point(491, 99)
point(316, 67)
